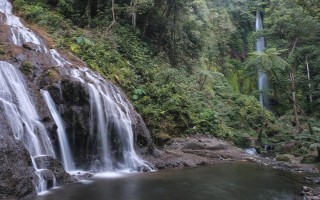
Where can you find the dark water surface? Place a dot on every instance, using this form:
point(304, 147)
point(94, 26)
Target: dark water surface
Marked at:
point(221, 182)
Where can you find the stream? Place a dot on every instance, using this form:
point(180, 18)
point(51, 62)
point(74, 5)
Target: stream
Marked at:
point(220, 181)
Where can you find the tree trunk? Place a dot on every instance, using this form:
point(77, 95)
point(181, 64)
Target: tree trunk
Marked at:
point(294, 99)
point(294, 102)
point(309, 79)
point(202, 82)
point(146, 25)
point(88, 12)
point(133, 14)
point(113, 15)
point(293, 91)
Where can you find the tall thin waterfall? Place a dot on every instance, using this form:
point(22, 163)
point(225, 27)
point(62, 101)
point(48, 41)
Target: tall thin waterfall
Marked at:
point(263, 82)
point(23, 117)
point(67, 158)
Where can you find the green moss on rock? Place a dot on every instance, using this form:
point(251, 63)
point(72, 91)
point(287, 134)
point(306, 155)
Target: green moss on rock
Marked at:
point(53, 75)
point(26, 68)
point(284, 158)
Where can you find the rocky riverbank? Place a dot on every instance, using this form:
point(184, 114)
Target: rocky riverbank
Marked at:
point(204, 150)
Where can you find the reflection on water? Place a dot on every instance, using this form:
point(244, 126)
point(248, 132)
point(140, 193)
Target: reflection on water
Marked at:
point(221, 181)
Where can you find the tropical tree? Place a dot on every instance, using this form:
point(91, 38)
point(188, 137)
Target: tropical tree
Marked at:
point(270, 61)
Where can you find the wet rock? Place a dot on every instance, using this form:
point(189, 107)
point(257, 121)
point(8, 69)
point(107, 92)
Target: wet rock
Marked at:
point(316, 191)
point(82, 176)
point(16, 171)
point(56, 167)
point(309, 193)
point(47, 176)
point(143, 140)
point(74, 92)
point(30, 46)
point(307, 189)
point(314, 180)
point(21, 57)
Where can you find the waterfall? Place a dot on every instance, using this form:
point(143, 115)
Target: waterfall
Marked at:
point(19, 33)
point(111, 138)
point(110, 122)
point(67, 158)
point(263, 82)
point(22, 115)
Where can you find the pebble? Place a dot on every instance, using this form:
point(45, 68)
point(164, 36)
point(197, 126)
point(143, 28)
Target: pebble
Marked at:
point(313, 198)
point(307, 189)
point(309, 193)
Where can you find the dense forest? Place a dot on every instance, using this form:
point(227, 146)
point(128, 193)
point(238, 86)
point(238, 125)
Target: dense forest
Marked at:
point(191, 67)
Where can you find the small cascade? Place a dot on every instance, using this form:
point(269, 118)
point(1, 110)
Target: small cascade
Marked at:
point(57, 60)
point(19, 33)
point(46, 179)
point(251, 151)
point(263, 82)
point(22, 115)
point(67, 158)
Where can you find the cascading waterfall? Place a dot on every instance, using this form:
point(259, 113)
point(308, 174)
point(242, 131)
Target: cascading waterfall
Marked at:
point(110, 145)
point(109, 121)
point(19, 33)
point(67, 158)
point(23, 117)
point(263, 82)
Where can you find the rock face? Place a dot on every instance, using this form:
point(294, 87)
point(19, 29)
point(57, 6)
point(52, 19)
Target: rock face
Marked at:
point(55, 166)
point(16, 170)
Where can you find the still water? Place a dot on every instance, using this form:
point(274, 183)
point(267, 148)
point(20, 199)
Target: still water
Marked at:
point(219, 182)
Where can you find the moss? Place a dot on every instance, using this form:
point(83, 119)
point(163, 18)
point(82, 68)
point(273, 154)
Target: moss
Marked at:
point(162, 138)
point(283, 158)
point(2, 50)
point(26, 68)
point(53, 75)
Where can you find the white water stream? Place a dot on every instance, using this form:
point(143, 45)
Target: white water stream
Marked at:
point(22, 115)
point(67, 158)
point(263, 82)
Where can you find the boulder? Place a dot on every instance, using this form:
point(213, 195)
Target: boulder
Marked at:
point(56, 167)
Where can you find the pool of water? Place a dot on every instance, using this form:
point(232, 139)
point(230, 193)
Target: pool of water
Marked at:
point(221, 182)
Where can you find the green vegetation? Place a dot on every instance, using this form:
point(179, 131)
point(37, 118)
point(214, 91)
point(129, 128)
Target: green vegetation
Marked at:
point(283, 158)
point(186, 65)
point(27, 68)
